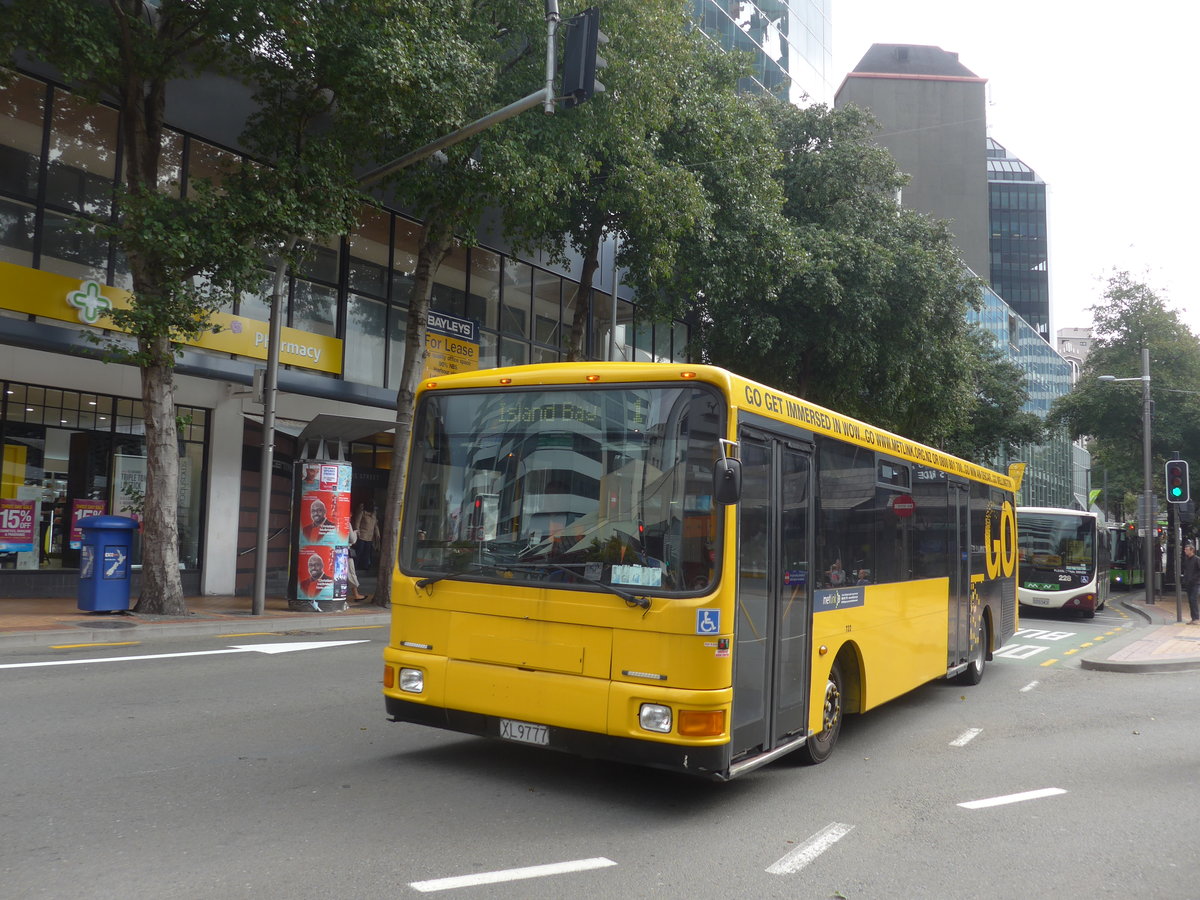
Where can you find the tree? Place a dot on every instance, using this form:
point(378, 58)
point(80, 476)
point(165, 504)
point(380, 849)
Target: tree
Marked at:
point(190, 254)
point(997, 424)
point(533, 171)
point(871, 320)
point(1130, 316)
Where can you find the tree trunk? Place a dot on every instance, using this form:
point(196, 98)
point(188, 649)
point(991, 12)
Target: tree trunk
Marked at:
point(583, 308)
point(162, 589)
point(436, 241)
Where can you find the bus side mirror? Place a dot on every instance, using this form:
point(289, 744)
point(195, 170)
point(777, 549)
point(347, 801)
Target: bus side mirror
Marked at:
point(727, 480)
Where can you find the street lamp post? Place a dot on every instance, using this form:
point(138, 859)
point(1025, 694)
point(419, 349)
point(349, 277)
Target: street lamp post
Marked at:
point(1147, 482)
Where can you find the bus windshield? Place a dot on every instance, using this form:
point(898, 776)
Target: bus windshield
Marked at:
point(589, 488)
point(1056, 543)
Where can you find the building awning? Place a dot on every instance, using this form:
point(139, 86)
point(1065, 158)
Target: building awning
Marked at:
point(332, 429)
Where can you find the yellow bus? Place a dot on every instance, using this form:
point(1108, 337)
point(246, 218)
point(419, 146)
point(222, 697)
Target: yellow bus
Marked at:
point(674, 566)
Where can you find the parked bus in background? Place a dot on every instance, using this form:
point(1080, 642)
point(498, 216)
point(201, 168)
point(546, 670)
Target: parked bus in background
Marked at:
point(1125, 569)
point(677, 567)
point(1063, 559)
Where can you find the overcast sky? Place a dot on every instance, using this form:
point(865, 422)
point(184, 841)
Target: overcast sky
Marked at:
point(1100, 99)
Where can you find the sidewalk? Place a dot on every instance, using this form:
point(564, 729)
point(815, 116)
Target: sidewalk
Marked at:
point(1159, 643)
point(51, 622)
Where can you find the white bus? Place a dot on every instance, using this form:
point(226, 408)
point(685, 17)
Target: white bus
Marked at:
point(1062, 558)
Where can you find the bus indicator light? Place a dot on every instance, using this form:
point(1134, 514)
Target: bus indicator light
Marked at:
point(702, 722)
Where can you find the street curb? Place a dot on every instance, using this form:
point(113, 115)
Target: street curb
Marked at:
point(142, 632)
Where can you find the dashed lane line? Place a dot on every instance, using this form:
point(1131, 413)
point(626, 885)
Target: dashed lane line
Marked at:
point(499, 877)
point(1012, 798)
point(966, 737)
point(800, 857)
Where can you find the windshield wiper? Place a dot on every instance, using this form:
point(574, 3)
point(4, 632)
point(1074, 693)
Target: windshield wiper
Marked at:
point(630, 599)
point(640, 602)
point(434, 579)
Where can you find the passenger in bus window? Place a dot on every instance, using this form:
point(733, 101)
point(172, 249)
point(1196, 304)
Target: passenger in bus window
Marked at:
point(864, 576)
point(836, 574)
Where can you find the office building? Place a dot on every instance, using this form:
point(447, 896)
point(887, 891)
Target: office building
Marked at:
point(790, 42)
point(1020, 259)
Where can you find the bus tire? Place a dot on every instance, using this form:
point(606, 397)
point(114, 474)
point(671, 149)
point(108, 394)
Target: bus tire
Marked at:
point(973, 673)
point(818, 747)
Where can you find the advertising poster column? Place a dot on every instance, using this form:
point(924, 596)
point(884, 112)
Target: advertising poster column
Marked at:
point(318, 580)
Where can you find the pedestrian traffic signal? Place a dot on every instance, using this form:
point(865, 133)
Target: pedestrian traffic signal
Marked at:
point(1178, 482)
point(580, 61)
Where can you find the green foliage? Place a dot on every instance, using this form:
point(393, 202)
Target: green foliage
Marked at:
point(1130, 316)
point(868, 313)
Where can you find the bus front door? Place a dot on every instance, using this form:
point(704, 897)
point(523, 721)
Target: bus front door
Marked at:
point(771, 634)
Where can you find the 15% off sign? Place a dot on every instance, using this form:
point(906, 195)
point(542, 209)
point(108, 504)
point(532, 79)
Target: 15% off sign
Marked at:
point(16, 525)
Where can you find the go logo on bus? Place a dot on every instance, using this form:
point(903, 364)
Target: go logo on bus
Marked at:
point(1000, 552)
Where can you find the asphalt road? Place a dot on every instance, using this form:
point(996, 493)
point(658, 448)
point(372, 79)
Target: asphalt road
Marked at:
point(238, 774)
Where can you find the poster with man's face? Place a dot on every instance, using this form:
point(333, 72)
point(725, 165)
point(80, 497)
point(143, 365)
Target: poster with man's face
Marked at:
point(323, 573)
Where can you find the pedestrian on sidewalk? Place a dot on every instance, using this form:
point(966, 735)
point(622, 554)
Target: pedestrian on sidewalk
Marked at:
point(1189, 573)
point(367, 526)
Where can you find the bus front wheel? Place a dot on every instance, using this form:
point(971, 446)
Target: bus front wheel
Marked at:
point(973, 674)
point(818, 746)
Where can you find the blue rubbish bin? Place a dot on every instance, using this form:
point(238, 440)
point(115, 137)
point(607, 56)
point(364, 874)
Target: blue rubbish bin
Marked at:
point(104, 563)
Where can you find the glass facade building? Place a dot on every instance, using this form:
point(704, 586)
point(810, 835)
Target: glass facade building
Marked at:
point(1048, 475)
point(791, 42)
point(1018, 242)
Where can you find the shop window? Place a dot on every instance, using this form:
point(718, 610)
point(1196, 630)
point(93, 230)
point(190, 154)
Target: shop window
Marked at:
point(206, 162)
point(405, 244)
point(547, 312)
point(320, 261)
point(369, 249)
point(314, 308)
point(601, 324)
point(514, 310)
point(22, 117)
point(513, 353)
point(170, 163)
point(73, 453)
point(16, 231)
point(83, 156)
point(68, 248)
point(365, 345)
point(397, 332)
point(483, 302)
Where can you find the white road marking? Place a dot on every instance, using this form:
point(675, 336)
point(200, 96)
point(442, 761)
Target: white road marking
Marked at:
point(1019, 651)
point(291, 647)
point(1029, 687)
point(458, 881)
point(1012, 798)
point(966, 737)
point(810, 849)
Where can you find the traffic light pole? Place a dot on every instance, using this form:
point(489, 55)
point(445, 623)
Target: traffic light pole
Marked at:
point(544, 98)
point(1147, 479)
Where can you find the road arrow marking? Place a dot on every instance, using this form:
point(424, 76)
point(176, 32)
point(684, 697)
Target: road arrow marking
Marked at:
point(243, 648)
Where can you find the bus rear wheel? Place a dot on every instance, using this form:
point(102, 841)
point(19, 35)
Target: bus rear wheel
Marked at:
point(818, 747)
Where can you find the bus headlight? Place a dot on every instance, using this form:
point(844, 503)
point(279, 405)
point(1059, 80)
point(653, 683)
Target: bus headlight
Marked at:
point(412, 681)
point(654, 717)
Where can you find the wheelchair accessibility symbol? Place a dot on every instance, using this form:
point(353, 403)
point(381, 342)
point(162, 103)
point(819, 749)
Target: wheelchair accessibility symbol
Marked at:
point(708, 621)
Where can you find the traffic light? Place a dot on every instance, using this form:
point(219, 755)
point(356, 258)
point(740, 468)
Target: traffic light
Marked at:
point(1178, 483)
point(580, 59)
